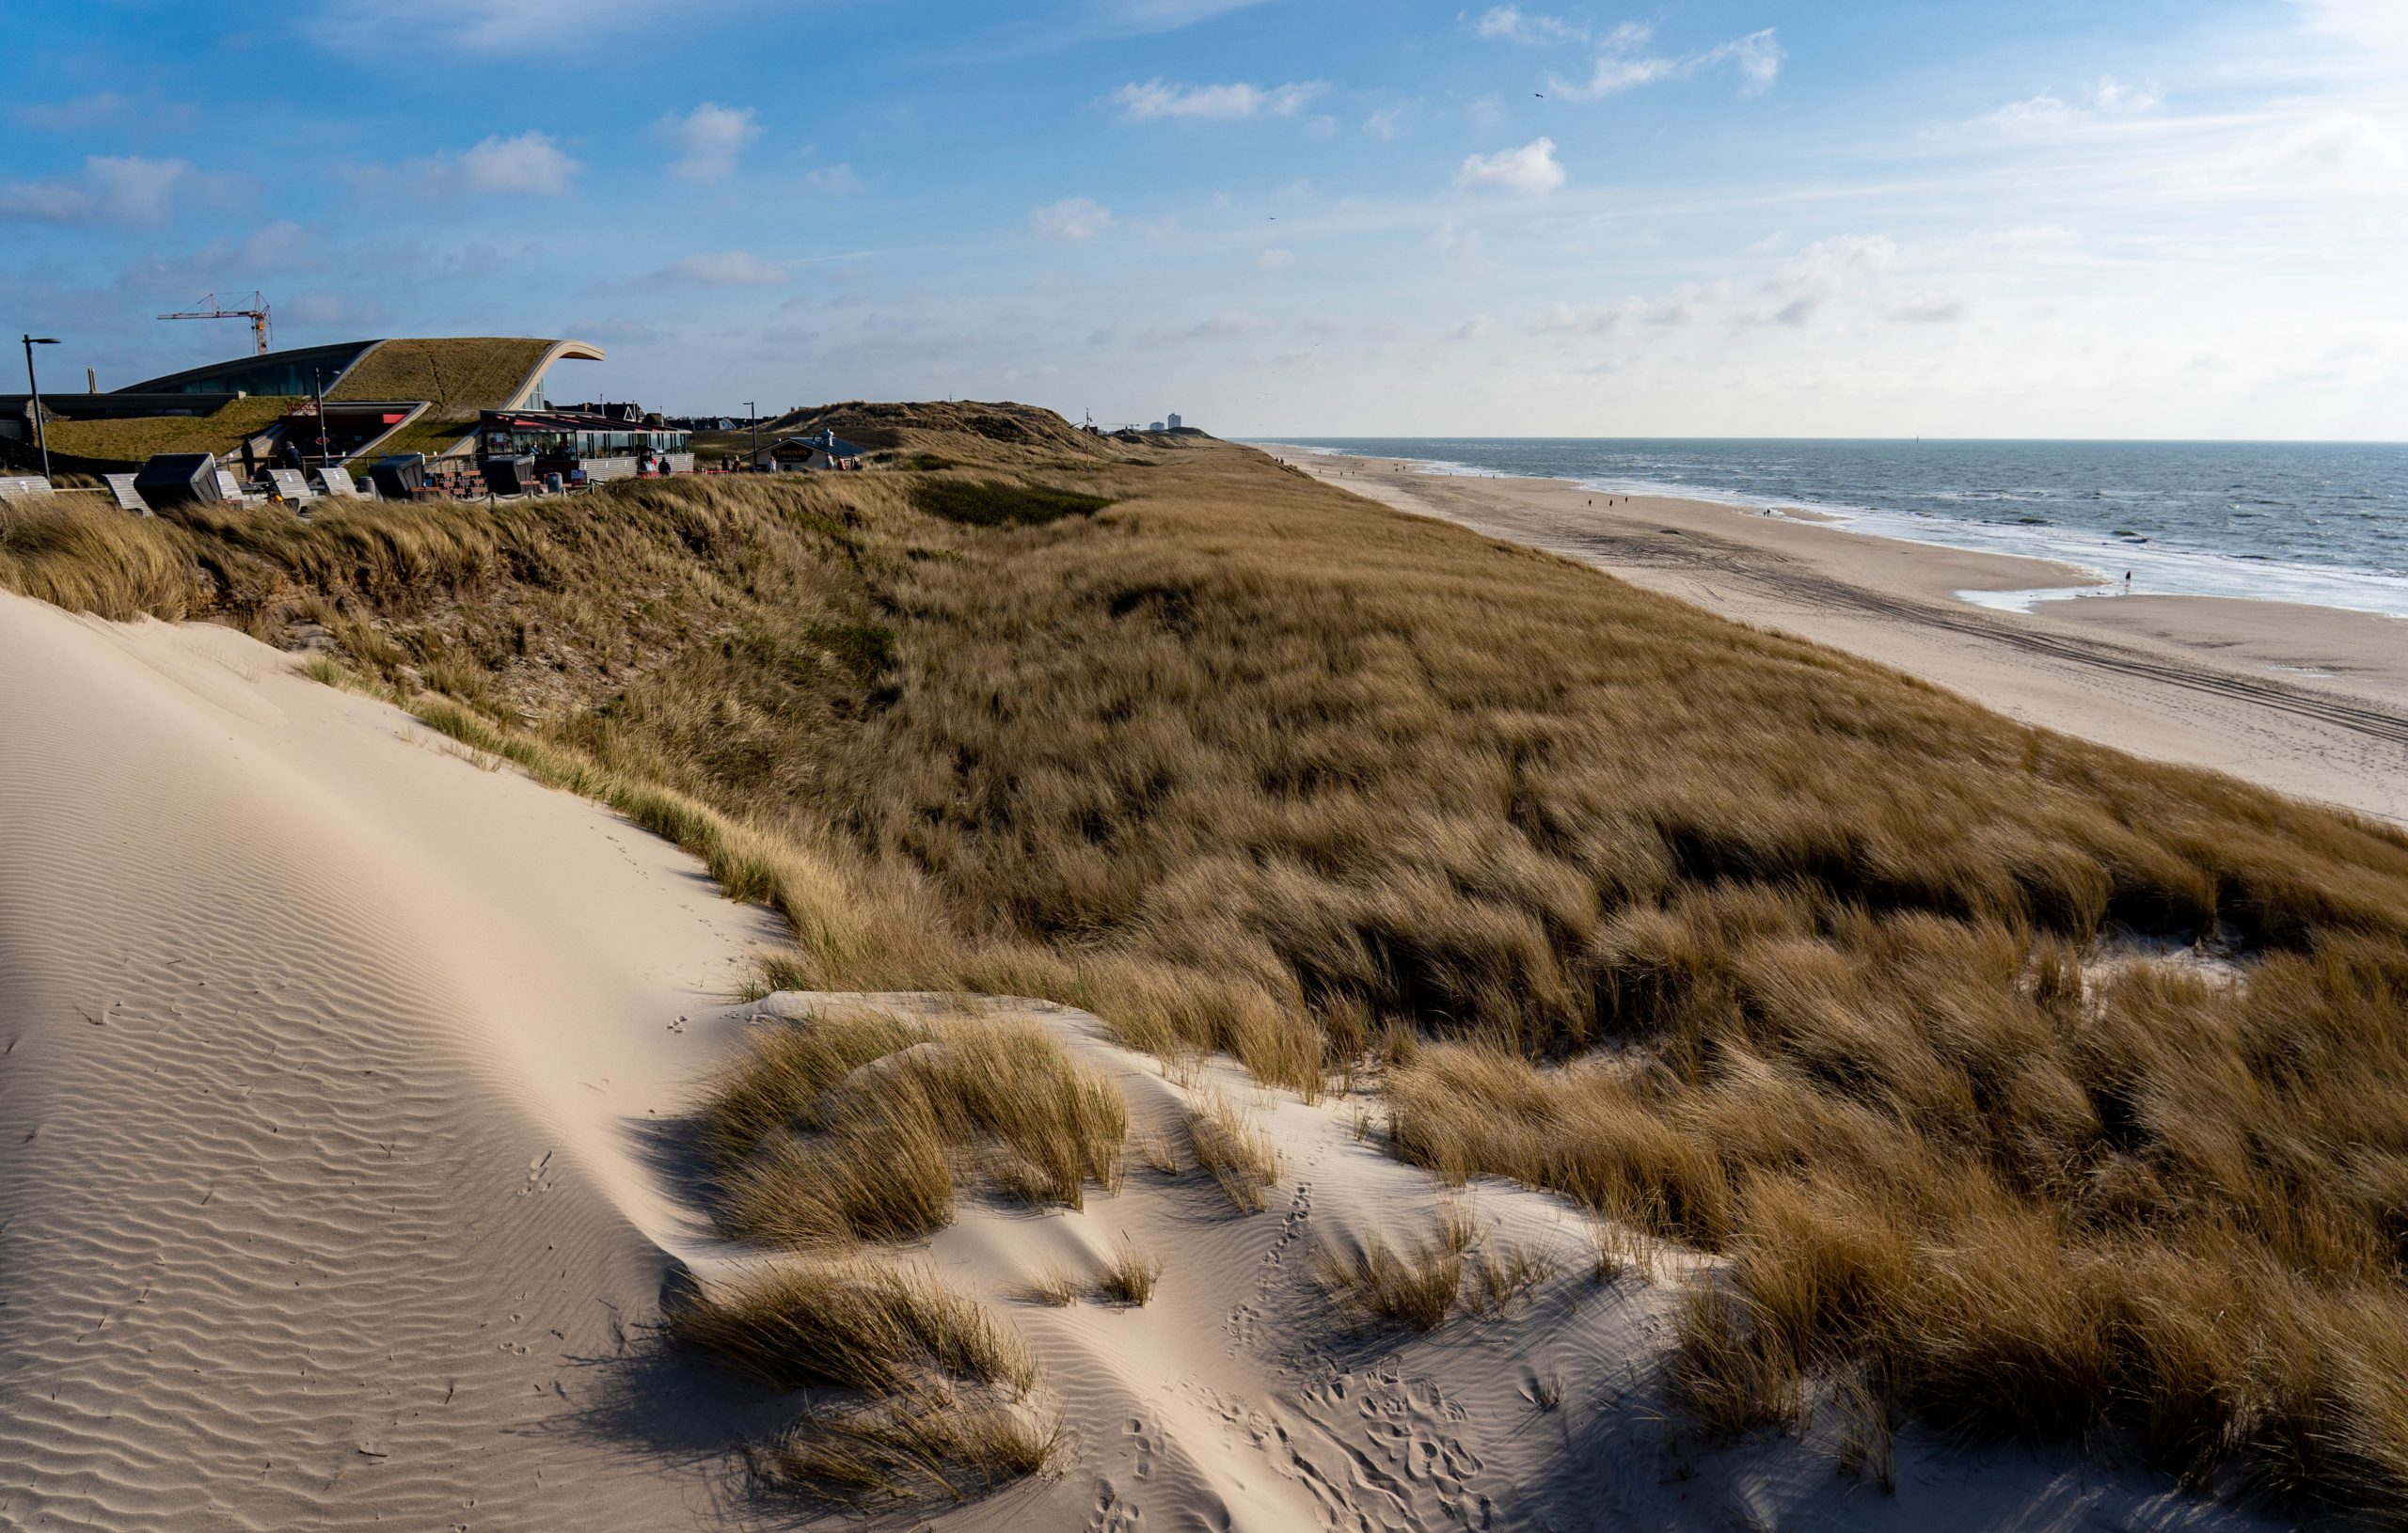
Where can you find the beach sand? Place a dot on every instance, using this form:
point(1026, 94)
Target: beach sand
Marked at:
point(2309, 700)
point(337, 1072)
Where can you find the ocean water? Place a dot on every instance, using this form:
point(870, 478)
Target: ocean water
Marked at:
point(2319, 523)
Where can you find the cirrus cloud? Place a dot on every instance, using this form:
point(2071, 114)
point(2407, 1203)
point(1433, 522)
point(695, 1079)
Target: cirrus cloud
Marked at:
point(722, 269)
point(1161, 99)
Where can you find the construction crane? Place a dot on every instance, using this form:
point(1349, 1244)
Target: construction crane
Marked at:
point(210, 308)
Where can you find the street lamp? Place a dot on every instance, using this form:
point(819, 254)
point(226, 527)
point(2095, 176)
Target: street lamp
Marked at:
point(40, 436)
point(318, 386)
point(752, 418)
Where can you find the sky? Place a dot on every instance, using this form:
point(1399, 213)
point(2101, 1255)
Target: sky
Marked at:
point(2089, 219)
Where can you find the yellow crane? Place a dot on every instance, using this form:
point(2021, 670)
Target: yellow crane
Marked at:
point(210, 308)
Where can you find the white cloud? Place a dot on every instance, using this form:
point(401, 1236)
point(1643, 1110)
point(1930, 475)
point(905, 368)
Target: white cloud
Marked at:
point(2381, 25)
point(1532, 168)
point(1574, 319)
point(723, 269)
point(831, 179)
point(2049, 115)
point(710, 139)
point(2339, 152)
point(1385, 125)
point(1472, 328)
point(1070, 219)
point(1454, 239)
point(1620, 65)
point(530, 164)
point(113, 189)
point(481, 26)
point(1133, 18)
point(1759, 57)
point(1275, 260)
point(1159, 99)
point(1512, 23)
point(1931, 312)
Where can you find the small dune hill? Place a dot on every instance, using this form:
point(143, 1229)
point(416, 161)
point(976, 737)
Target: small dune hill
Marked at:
point(954, 431)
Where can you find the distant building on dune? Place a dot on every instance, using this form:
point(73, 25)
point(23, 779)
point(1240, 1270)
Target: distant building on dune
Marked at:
point(826, 451)
point(1155, 426)
point(1173, 420)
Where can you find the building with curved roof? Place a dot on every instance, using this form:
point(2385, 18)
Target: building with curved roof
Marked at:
point(405, 394)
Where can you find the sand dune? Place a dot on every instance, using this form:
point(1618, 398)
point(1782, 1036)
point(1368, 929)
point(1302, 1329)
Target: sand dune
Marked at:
point(336, 1065)
point(321, 1047)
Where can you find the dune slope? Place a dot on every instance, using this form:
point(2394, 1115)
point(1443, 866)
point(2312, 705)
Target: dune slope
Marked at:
point(321, 1199)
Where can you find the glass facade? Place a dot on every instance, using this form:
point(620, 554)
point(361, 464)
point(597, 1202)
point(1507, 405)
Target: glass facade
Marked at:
point(281, 372)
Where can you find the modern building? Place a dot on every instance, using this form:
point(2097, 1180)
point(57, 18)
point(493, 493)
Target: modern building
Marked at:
point(1172, 420)
point(1154, 426)
point(424, 394)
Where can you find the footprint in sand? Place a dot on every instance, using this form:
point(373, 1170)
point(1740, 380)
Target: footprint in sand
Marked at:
point(1144, 1441)
point(1113, 1514)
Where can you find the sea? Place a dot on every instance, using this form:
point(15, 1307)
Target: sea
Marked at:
point(2325, 524)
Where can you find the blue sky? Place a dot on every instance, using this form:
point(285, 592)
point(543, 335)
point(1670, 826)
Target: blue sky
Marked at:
point(1718, 217)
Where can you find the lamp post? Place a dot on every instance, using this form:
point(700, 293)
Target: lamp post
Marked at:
point(40, 436)
point(752, 418)
point(318, 386)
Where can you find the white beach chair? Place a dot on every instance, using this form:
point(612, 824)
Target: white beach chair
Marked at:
point(24, 488)
point(121, 487)
point(338, 482)
point(230, 488)
point(290, 484)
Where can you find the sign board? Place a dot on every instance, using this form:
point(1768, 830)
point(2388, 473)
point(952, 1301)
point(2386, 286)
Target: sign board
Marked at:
point(23, 486)
point(122, 486)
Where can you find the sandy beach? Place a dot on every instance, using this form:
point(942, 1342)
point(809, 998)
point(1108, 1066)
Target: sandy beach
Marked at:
point(2309, 701)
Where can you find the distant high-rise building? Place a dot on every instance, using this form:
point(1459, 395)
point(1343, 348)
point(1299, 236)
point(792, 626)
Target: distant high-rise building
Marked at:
point(1154, 425)
point(1173, 418)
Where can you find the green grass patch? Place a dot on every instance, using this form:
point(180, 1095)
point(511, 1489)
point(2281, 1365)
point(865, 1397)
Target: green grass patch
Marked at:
point(136, 439)
point(992, 503)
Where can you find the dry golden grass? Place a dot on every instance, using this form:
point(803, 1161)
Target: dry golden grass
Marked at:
point(1416, 1285)
point(854, 1126)
point(873, 1327)
point(1761, 947)
point(911, 1448)
point(1053, 1287)
point(1129, 1274)
point(935, 1387)
point(1232, 1150)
